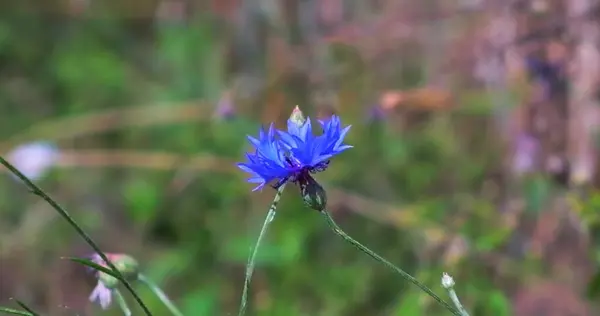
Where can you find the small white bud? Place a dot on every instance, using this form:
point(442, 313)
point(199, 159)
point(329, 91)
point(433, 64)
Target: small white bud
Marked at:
point(447, 281)
point(297, 117)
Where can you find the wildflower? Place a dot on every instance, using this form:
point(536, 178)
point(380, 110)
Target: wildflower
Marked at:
point(102, 295)
point(526, 152)
point(295, 154)
point(103, 291)
point(376, 113)
point(127, 265)
point(34, 159)
point(447, 281)
point(225, 108)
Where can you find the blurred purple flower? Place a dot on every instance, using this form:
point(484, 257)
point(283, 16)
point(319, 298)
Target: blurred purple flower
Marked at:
point(376, 113)
point(98, 260)
point(526, 150)
point(549, 75)
point(34, 159)
point(102, 295)
point(225, 109)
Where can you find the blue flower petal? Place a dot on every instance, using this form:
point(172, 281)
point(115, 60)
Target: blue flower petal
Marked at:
point(282, 155)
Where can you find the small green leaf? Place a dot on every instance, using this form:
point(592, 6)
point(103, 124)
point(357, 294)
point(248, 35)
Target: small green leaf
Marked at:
point(93, 265)
point(15, 312)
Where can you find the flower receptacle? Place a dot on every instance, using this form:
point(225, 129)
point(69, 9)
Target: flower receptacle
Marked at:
point(313, 194)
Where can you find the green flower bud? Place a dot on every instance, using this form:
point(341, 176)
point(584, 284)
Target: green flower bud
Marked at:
point(108, 280)
point(297, 117)
point(313, 194)
point(127, 265)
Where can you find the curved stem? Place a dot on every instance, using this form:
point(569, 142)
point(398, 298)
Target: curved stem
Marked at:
point(122, 303)
point(388, 264)
point(252, 258)
point(160, 294)
point(39, 192)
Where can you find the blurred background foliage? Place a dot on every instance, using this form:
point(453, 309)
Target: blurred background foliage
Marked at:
point(149, 103)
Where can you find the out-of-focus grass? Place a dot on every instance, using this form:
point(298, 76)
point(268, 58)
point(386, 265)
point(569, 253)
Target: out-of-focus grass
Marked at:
point(159, 181)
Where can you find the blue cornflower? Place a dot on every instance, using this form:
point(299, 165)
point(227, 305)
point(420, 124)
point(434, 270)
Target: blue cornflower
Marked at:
point(292, 155)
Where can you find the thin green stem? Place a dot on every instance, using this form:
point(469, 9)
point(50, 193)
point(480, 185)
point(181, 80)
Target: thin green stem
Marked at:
point(456, 302)
point(122, 303)
point(25, 307)
point(160, 294)
point(388, 264)
point(252, 257)
point(39, 192)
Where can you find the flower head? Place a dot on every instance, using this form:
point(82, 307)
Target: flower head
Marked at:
point(292, 155)
point(225, 109)
point(376, 113)
point(102, 295)
point(125, 264)
point(526, 153)
point(34, 159)
point(447, 281)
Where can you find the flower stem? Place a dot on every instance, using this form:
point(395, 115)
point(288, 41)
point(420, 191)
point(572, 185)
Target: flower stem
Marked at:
point(160, 294)
point(388, 264)
point(252, 257)
point(122, 303)
point(39, 192)
point(456, 301)
point(448, 284)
